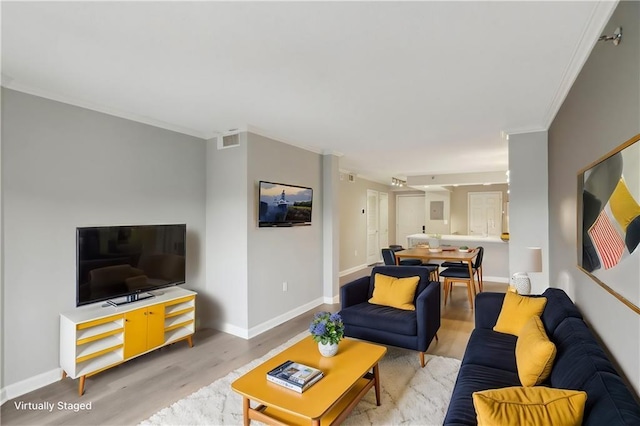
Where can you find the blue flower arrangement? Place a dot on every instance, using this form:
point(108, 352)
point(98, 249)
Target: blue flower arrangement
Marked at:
point(327, 327)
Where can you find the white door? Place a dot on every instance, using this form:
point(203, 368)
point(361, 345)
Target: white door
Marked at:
point(485, 213)
point(373, 247)
point(383, 239)
point(410, 216)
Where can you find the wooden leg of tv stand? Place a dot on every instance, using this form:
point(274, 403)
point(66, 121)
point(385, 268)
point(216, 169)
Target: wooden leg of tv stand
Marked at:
point(64, 375)
point(81, 385)
point(190, 341)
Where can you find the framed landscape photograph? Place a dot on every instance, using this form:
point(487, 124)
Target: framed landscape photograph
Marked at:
point(609, 222)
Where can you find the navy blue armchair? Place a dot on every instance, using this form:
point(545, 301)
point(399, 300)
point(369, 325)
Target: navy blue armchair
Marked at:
point(387, 325)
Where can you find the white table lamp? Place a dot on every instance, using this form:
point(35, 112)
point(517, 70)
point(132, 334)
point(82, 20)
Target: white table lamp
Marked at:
point(530, 262)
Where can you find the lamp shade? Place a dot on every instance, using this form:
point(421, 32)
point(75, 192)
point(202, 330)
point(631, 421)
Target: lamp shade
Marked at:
point(532, 260)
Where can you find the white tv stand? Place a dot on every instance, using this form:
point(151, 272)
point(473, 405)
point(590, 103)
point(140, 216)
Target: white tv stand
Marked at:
point(96, 337)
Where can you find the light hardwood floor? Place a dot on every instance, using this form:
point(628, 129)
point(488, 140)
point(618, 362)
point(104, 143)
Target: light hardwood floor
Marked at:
point(135, 390)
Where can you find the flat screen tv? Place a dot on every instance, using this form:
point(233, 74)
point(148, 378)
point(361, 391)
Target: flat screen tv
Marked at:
point(284, 205)
point(122, 263)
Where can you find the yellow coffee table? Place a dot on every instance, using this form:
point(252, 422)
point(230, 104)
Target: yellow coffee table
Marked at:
point(348, 377)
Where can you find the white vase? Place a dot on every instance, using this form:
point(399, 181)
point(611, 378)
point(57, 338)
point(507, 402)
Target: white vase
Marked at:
point(521, 282)
point(330, 349)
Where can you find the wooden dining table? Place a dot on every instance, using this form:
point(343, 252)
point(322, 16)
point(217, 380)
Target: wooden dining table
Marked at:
point(452, 254)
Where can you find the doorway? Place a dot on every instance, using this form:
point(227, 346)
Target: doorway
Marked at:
point(410, 214)
point(485, 213)
point(377, 224)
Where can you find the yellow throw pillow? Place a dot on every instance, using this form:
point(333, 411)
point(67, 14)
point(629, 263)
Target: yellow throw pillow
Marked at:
point(533, 406)
point(516, 311)
point(535, 353)
point(394, 292)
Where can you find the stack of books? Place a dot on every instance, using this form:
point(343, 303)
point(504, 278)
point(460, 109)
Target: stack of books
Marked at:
point(295, 376)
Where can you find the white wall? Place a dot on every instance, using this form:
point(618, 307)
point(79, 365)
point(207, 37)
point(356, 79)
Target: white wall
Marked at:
point(601, 111)
point(529, 203)
point(64, 167)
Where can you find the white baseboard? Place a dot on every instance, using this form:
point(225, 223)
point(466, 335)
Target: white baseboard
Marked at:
point(331, 300)
point(352, 270)
point(28, 385)
point(274, 322)
point(232, 329)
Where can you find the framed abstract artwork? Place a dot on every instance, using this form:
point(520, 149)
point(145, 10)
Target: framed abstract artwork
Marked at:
point(609, 222)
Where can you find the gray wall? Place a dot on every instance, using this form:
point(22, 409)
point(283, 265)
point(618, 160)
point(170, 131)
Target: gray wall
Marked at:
point(331, 227)
point(290, 254)
point(353, 223)
point(64, 167)
point(247, 265)
point(601, 111)
point(226, 218)
point(2, 397)
point(529, 204)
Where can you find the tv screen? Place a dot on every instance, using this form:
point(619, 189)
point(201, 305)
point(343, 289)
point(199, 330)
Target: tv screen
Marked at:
point(284, 205)
point(117, 261)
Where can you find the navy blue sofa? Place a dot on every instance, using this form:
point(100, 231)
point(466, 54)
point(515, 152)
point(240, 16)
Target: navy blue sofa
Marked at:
point(390, 326)
point(581, 364)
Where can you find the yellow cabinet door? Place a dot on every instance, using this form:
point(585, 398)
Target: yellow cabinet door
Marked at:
point(155, 326)
point(135, 333)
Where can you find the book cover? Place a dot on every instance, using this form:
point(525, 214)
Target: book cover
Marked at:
point(294, 372)
point(294, 386)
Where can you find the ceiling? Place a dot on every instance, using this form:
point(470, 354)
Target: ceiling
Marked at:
point(396, 88)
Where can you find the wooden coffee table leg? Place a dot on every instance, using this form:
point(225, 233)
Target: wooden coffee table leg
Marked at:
point(245, 411)
point(376, 377)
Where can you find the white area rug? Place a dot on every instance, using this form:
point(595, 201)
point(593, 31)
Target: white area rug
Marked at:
point(410, 395)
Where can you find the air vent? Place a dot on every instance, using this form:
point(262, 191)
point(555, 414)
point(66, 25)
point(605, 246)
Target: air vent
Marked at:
point(228, 141)
point(352, 177)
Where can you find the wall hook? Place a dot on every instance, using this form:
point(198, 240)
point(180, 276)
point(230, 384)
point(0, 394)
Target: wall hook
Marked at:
point(616, 37)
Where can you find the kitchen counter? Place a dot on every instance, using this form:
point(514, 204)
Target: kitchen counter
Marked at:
point(414, 239)
point(495, 263)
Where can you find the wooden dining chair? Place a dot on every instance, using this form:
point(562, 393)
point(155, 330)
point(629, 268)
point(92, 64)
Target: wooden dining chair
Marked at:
point(456, 273)
point(476, 266)
point(390, 259)
point(433, 267)
point(448, 287)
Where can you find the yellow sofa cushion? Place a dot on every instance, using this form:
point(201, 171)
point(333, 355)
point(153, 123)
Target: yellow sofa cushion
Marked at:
point(535, 353)
point(394, 292)
point(516, 311)
point(534, 406)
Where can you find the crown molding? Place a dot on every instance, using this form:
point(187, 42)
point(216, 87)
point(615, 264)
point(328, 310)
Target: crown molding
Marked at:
point(332, 152)
point(600, 15)
point(12, 84)
point(524, 130)
point(265, 133)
